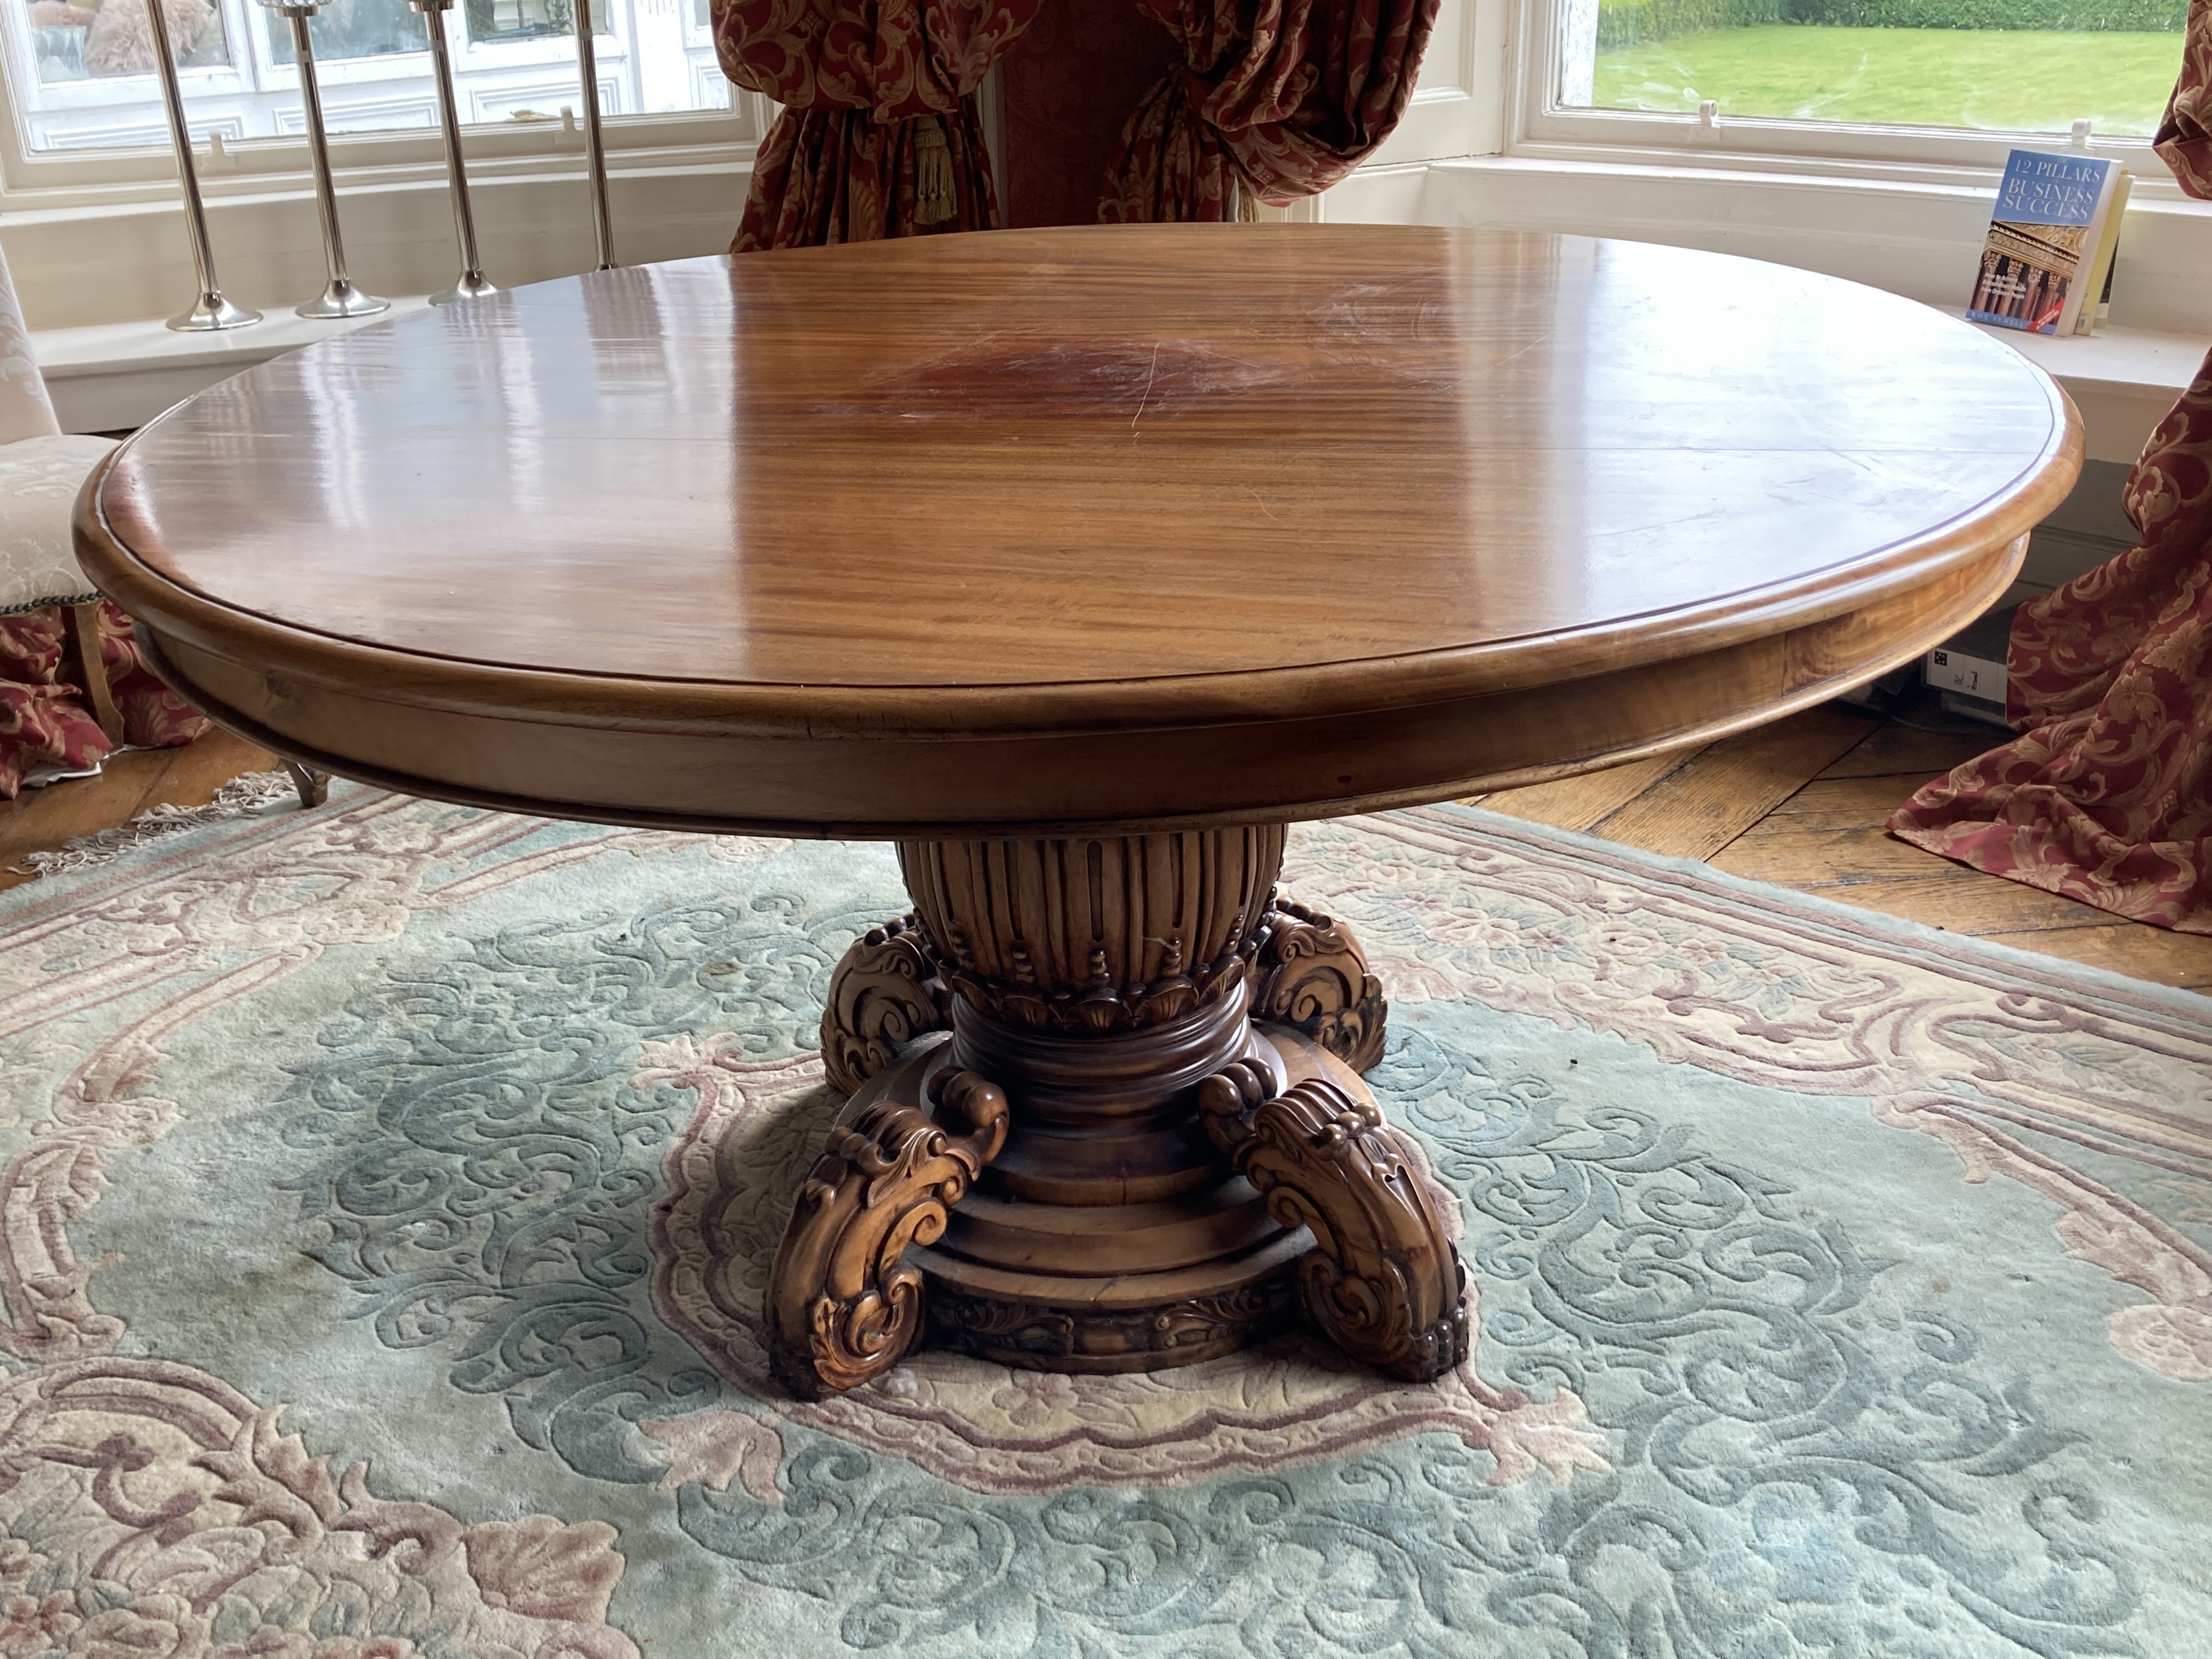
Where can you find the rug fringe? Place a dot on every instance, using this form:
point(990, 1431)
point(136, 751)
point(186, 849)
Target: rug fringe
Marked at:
point(242, 795)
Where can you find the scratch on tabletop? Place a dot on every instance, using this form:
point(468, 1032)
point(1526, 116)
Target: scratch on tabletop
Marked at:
point(1262, 500)
point(1149, 373)
point(1542, 339)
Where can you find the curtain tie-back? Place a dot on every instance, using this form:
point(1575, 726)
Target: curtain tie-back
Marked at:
point(1273, 99)
point(935, 200)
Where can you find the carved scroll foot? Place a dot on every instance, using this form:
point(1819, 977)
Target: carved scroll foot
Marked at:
point(885, 992)
point(314, 787)
point(843, 1306)
point(1383, 1281)
point(1311, 974)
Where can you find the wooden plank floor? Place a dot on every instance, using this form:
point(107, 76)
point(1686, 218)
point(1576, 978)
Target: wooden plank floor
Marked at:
point(136, 782)
point(1800, 803)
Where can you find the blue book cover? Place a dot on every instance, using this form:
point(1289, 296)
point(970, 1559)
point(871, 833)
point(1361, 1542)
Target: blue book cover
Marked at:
point(2039, 237)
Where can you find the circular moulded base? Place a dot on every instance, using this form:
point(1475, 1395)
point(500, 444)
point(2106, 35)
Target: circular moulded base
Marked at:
point(211, 312)
point(1109, 1287)
point(471, 286)
point(342, 299)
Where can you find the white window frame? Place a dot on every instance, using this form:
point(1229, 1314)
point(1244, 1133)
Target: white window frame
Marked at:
point(69, 180)
point(1458, 106)
point(125, 93)
point(1540, 128)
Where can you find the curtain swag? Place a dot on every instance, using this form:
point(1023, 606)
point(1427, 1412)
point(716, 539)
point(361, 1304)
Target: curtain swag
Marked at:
point(879, 135)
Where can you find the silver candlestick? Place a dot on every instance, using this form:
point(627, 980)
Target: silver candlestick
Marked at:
point(472, 284)
point(340, 298)
point(211, 310)
point(595, 153)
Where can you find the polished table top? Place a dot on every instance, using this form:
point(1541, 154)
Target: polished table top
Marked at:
point(1095, 480)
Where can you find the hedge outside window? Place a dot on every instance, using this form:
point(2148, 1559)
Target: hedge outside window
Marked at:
point(1991, 65)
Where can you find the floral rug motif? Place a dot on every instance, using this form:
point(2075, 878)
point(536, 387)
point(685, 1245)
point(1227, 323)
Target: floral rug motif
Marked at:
point(1846, 1288)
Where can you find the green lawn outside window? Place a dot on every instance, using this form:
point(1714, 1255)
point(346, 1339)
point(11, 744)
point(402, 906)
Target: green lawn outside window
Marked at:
point(2012, 80)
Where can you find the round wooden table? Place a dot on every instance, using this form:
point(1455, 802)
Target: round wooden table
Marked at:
point(1078, 562)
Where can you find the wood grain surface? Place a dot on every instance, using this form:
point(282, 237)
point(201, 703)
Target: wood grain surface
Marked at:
point(1125, 526)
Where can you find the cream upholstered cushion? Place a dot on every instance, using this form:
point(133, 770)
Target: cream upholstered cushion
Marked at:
point(39, 478)
point(25, 411)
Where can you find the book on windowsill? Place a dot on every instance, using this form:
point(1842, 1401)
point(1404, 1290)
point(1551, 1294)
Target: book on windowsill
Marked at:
point(2097, 297)
point(2044, 233)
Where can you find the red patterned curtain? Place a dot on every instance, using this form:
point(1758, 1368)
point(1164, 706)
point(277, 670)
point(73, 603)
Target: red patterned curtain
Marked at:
point(43, 718)
point(1284, 96)
point(879, 135)
point(2107, 796)
point(2185, 137)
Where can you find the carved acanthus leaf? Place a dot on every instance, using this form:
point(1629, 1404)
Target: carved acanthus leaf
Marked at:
point(885, 992)
point(1383, 1281)
point(1104, 1006)
point(1311, 974)
point(843, 1307)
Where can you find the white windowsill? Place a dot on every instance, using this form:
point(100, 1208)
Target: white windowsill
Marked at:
point(2134, 358)
point(110, 376)
point(2123, 379)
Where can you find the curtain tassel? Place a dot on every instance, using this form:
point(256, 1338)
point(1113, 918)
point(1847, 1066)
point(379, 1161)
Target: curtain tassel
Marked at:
point(934, 199)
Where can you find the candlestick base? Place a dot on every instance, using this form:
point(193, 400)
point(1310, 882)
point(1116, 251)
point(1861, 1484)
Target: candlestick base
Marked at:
point(342, 299)
point(211, 312)
point(473, 286)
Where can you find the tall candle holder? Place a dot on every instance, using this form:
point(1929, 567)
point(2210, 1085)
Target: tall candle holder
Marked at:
point(340, 298)
point(211, 310)
point(472, 284)
point(595, 153)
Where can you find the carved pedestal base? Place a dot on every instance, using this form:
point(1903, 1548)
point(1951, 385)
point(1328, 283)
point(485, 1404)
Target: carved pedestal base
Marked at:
point(1143, 1144)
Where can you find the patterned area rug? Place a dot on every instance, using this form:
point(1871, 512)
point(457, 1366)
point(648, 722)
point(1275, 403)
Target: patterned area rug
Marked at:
point(1845, 1289)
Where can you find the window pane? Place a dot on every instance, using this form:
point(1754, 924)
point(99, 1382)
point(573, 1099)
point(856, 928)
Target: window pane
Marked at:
point(73, 42)
point(514, 64)
point(352, 29)
point(2007, 65)
point(518, 20)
